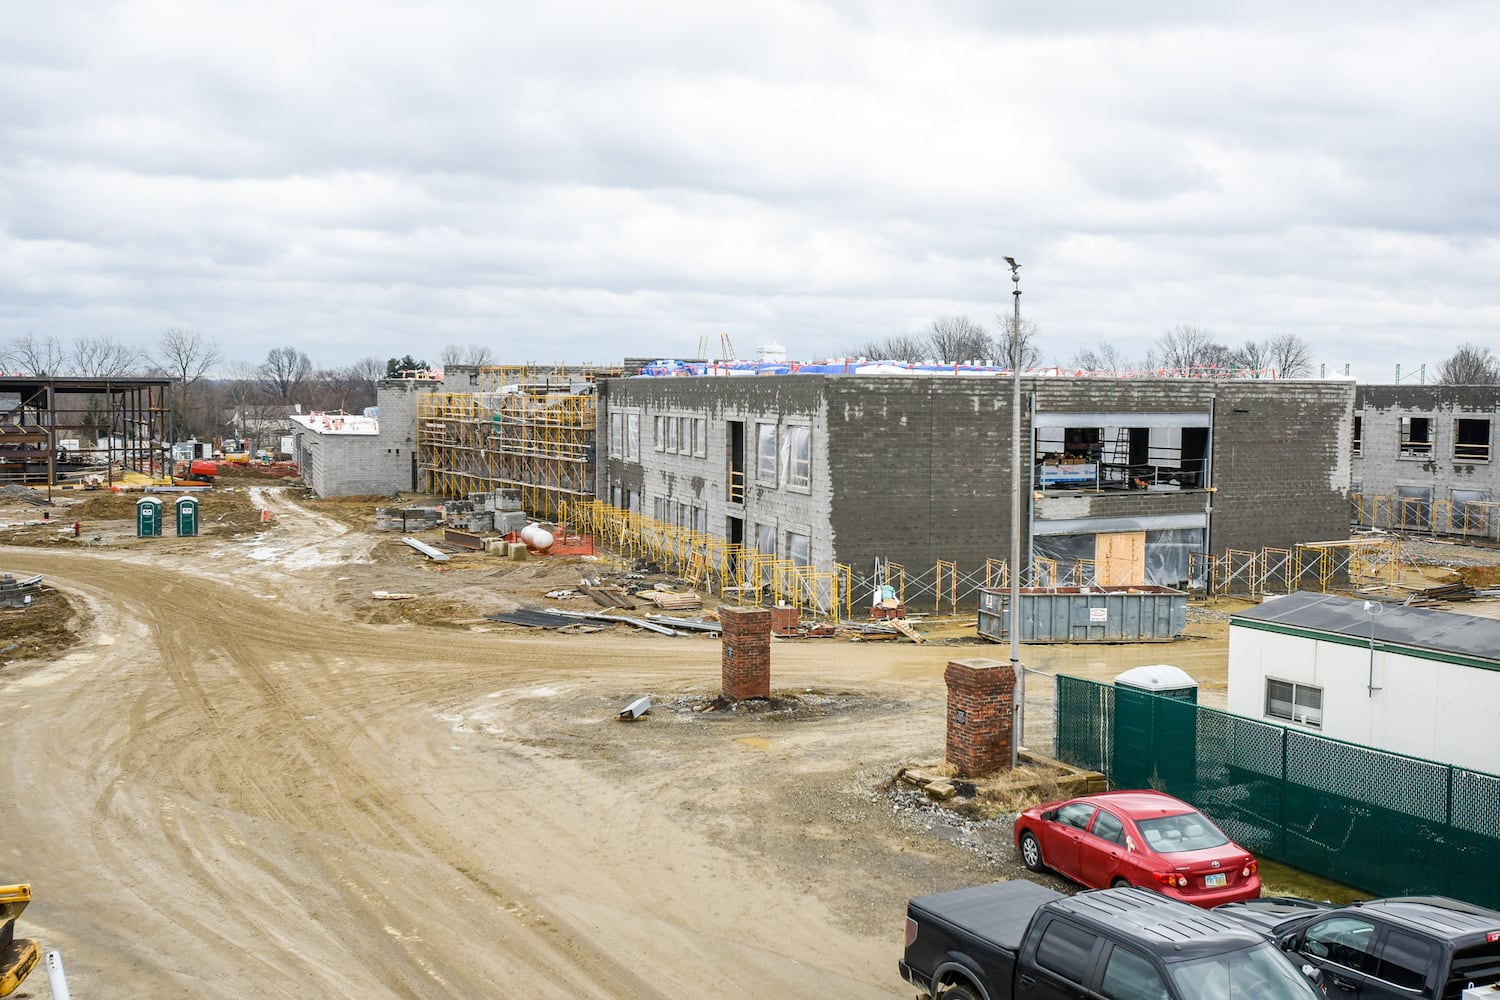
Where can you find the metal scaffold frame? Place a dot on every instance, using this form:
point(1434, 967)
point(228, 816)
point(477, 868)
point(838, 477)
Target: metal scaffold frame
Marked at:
point(1470, 519)
point(540, 443)
point(1307, 566)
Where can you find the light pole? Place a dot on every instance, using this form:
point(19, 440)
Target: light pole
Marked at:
point(1372, 608)
point(1018, 720)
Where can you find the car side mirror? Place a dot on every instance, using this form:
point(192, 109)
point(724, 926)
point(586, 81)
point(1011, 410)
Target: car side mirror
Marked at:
point(1049, 815)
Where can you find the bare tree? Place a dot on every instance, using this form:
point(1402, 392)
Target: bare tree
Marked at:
point(1187, 347)
point(1253, 355)
point(1291, 356)
point(184, 356)
point(1019, 352)
point(1471, 364)
point(898, 347)
point(33, 355)
point(283, 372)
point(1105, 358)
point(466, 354)
point(372, 370)
point(342, 389)
point(959, 338)
point(102, 357)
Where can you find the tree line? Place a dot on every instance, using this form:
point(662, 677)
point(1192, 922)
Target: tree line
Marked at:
point(212, 397)
point(959, 339)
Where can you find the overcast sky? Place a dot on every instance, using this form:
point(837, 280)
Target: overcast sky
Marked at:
point(583, 181)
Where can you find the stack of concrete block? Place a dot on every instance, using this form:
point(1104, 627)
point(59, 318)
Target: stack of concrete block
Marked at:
point(466, 515)
point(406, 518)
point(508, 521)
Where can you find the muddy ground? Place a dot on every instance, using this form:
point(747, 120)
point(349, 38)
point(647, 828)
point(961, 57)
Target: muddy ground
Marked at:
point(231, 771)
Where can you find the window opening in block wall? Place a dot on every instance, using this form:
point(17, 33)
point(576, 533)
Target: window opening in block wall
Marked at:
point(1359, 434)
point(1471, 439)
point(1416, 437)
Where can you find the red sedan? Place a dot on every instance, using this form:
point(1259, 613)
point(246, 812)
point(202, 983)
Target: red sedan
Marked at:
point(1145, 839)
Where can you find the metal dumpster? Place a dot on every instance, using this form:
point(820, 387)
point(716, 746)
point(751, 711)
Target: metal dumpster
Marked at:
point(1087, 614)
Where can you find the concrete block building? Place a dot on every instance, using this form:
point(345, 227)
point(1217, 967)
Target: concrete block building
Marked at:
point(346, 455)
point(824, 469)
point(1423, 458)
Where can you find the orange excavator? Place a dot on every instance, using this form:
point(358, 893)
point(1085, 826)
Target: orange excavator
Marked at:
point(18, 956)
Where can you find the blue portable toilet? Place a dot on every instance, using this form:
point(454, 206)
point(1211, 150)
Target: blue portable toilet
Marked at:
point(148, 517)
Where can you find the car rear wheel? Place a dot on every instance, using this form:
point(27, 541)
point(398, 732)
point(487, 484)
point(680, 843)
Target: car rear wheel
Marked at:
point(1031, 852)
point(1119, 883)
point(958, 993)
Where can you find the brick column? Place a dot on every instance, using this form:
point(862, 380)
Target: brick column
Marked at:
point(981, 695)
point(784, 621)
point(747, 652)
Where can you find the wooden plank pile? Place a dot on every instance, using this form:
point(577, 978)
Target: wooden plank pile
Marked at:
point(672, 600)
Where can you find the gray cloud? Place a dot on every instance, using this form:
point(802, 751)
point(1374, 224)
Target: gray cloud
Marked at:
point(584, 182)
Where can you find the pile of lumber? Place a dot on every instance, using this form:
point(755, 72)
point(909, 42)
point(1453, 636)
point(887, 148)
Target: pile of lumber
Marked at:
point(672, 600)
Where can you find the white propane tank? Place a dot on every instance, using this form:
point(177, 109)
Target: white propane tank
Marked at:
point(542, 539)
point(528, 533)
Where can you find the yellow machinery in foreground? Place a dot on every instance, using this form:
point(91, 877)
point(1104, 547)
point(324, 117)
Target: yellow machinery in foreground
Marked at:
point(18, 956)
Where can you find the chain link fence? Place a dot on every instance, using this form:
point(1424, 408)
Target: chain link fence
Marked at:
point(1383, 822)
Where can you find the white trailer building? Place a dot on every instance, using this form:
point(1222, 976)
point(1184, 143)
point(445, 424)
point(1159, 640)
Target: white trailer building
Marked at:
point(1410, 680)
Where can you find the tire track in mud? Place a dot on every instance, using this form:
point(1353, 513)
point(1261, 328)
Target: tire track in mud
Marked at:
point(228, 764)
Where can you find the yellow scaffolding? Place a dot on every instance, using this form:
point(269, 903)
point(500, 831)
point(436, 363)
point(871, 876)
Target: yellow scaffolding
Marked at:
point(539, 443)
point(755, 578)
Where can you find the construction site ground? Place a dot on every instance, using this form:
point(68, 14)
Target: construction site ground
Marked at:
point(231, 770)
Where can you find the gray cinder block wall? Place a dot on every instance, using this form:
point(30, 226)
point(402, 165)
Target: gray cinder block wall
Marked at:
point(916, 469)
point(343, 464)
point(1379, 470)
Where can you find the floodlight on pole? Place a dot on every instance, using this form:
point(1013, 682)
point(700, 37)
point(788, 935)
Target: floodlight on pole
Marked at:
point(1012, 624)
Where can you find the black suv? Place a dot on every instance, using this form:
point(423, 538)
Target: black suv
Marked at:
point(1401, 948)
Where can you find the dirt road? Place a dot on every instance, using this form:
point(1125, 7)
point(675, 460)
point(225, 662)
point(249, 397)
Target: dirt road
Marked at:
point(234, 788)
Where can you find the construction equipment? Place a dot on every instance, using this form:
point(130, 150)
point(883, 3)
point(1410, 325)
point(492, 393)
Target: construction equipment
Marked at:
point(726, 349)
point(18, 956)
point(199, 470)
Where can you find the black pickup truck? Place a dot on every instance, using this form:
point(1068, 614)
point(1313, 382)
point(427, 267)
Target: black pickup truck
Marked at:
point(1021, 941)
point(1401, 948)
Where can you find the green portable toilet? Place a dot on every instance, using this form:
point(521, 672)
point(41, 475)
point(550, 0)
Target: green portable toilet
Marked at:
point(1156, 730)
point(148, 517)
point(187, 515)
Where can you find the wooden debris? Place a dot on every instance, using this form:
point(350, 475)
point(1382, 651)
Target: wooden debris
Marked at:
point(386, 595)
point(669, 600)
point(905, 629)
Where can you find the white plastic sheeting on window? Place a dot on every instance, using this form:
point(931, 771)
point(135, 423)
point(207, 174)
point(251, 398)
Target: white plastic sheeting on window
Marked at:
point(1167, 555)
point(765, 454)
point(799, 548)
point(796, 456)
point(633, 437)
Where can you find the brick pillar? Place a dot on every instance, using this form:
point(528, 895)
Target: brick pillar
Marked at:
point(981, 695)
point(747, 652)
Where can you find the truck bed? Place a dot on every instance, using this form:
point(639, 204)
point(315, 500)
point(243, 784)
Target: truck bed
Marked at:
point(998, 912)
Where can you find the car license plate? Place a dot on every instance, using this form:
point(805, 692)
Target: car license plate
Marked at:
point(1218, 881)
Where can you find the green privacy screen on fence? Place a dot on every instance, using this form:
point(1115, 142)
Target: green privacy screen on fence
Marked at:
point(1378, 821)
